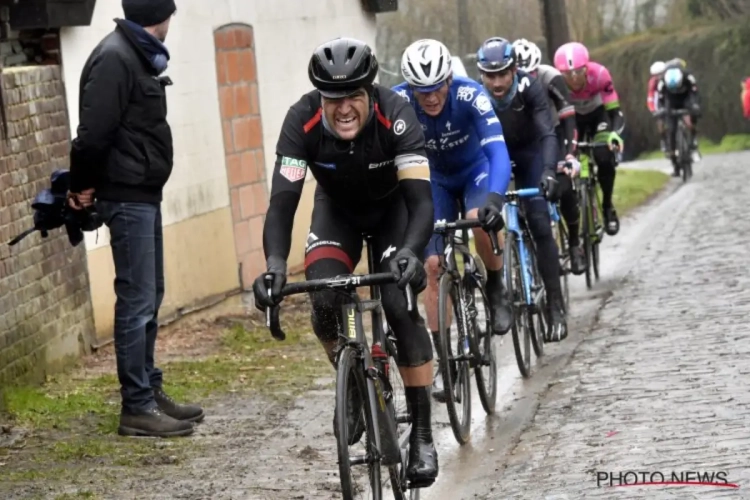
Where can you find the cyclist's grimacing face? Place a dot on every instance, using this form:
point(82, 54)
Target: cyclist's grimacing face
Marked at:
point(498, 83)
point(347, 115)
point(432, 102)
point(575, 78)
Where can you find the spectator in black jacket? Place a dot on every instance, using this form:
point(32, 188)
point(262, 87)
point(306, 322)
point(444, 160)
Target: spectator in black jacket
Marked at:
point(120, 161)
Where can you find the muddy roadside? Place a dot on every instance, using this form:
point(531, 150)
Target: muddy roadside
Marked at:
point(267, 405)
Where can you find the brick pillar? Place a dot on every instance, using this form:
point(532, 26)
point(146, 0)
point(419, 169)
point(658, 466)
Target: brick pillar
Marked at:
point(243, 144)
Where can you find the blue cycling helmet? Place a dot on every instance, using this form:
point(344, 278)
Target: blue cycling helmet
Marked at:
point(673, 78)
point(496, 54)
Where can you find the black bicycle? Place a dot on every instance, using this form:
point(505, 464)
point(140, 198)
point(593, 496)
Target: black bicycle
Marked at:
point(473, 341)
point(682, 156)
point(365, 371)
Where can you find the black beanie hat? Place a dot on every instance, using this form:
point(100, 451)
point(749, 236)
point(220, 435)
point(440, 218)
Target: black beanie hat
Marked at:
point(148, 12)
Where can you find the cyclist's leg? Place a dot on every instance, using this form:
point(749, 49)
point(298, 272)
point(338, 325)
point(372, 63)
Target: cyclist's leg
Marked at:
point(412, 343)
point(445, 208)
point(475, 192)
point(570, 211)
point(528, 173)
point(333, 247)
point(671, 140)
point(606, 163)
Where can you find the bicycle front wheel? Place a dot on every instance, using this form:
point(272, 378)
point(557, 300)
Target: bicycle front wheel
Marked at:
point(537, 328)
point(351, 381)
point(456, 373)
point(515, 287)
point(583, 199)
point(485, 371)
point(561, 236)
point(596, 222)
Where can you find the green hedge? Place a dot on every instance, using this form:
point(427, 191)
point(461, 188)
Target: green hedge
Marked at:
point(718, 55)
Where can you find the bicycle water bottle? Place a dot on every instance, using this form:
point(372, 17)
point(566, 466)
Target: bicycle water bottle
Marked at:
point(384, 408)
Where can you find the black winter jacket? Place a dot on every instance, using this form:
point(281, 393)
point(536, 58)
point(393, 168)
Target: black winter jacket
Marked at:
point(123, 147)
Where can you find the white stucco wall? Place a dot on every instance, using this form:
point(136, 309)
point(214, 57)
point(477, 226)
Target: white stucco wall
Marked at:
point(286, 32)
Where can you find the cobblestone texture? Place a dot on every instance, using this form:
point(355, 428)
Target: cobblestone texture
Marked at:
point(662, 382)
point(45, 307)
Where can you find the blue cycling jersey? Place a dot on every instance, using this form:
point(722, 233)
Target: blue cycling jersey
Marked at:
point(466, 133)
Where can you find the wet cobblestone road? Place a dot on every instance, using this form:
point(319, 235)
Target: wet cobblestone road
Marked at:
point(661, 384)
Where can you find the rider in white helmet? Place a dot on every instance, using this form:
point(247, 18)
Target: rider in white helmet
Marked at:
point(468, 162)
point(657, 70)
point(564, 120)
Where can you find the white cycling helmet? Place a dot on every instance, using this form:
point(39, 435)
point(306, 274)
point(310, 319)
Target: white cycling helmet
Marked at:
point(658, 68)
point(528, 55)
point(426, 64)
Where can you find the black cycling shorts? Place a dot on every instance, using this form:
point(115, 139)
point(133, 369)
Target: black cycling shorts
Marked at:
point(334, 247)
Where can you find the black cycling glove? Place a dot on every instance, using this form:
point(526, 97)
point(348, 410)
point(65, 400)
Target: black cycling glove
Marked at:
point(413, 274)
point(491, 214)
point(550, 186)
point(276, 267)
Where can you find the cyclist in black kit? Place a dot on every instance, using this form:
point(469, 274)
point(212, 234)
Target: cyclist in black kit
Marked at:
point(366, 149)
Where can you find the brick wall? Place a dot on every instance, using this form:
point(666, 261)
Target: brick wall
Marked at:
point(243, 145)
point(45, 308)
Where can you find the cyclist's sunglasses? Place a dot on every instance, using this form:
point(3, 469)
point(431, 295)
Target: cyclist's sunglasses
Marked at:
point(575, 72)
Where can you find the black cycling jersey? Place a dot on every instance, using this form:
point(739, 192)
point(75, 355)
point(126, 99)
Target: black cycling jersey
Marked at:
point(562, 111)
point(527, 122)
point(683, 96)
point(358, 175)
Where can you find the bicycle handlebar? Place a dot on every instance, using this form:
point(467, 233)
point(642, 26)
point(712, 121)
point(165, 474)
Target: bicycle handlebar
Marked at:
point(348, 282)
point(442, 227)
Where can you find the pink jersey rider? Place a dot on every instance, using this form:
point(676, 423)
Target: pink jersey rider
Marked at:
point(598, 89)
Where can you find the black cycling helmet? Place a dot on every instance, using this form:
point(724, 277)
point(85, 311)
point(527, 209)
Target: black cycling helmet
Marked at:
point(496, 54)
point(341, 67)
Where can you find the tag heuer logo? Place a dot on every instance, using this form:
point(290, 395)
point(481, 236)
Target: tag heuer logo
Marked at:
point(293, 169)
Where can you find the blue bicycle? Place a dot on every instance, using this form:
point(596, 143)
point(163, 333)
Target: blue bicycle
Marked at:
point(523, 282)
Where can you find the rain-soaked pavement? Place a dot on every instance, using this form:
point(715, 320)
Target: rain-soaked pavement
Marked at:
point(652, 379)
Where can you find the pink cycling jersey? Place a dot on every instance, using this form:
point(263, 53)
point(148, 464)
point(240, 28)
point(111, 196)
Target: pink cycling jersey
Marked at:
point(599, 90)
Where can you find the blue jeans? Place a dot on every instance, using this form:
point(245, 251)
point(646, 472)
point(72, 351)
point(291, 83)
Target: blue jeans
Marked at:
point(138, 253)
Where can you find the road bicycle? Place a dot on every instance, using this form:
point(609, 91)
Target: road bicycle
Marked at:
point(387, 423)
point(683, 158)
point(474, 347)
point(523, 282)
point(590, 203)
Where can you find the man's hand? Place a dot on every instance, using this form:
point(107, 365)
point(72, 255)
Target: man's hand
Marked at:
point(276, 269)
point(413, 274)
point(491, 214)
point(572, 166)
point(549, 186)
point(84, 199)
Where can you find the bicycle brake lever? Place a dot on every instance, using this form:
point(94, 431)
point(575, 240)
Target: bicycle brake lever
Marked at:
point(495, 245)
point(407, 291)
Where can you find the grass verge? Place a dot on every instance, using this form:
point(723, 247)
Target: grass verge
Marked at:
point(729, 143)
point(635, 187)
point(68, 426)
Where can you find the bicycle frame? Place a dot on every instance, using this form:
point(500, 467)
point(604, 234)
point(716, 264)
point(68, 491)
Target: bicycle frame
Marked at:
point(513, 224)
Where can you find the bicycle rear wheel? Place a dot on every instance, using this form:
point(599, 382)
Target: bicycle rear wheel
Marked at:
point(351, 371)
point(515, 288)
point(485, 371)
point(456, 374)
